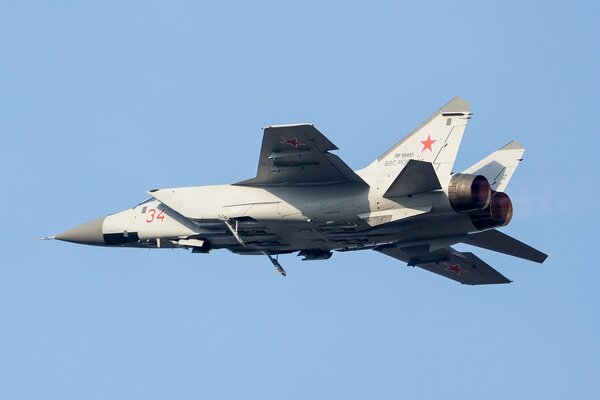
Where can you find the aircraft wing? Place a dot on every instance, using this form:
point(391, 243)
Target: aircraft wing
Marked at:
point(465, 268)
point(298, 155)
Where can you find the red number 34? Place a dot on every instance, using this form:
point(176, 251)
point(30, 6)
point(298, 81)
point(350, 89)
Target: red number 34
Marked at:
point(153, 216)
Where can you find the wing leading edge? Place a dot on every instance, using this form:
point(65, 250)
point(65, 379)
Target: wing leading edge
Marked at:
point(293, 155)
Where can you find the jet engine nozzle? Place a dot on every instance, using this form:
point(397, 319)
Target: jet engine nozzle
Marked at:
point(499, 212)
point(469, 192)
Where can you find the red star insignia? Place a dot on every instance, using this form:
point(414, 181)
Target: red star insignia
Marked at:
point(455, 268)
point(292, 142)
point(427, 143)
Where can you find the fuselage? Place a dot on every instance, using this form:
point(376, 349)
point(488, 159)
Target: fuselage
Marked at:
point(332, 217)
point(407, 204)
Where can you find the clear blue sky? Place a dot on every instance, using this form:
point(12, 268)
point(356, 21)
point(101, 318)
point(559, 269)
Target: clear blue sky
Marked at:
point(101, 102)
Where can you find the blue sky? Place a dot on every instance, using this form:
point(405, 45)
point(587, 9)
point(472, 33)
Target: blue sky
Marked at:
point(102, 102)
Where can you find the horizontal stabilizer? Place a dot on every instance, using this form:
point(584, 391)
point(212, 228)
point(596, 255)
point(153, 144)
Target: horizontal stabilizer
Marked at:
point(497, 241)
point(416, 177)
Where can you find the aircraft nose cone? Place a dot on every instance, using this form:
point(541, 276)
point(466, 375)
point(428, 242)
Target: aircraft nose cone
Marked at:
point(88, 233)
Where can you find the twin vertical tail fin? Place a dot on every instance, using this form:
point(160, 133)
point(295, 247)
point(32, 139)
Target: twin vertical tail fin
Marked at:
point(499, 166)
point(436, 141)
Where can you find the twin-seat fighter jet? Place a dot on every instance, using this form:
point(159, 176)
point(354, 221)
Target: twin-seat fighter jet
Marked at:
point(407, 204)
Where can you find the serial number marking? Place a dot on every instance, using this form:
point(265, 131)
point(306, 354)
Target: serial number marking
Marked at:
point(153, 216)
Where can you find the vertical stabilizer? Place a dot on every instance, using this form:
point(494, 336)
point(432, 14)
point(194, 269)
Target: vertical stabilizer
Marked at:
point(436, 140)
point(499, 166)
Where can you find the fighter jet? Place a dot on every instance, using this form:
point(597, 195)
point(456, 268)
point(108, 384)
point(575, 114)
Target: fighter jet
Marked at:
point(407, 204)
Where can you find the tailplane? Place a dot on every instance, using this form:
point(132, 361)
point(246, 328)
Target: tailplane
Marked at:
point(497, 241)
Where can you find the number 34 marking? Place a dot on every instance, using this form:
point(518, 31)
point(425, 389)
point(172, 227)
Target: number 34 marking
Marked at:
point(153, 216)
